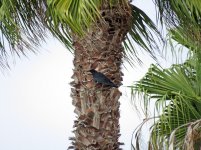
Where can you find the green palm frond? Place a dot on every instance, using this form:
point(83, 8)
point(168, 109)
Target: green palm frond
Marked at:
point(180, 11)
point(67, 17)
point(176, 91)
point(182, 17)
point(143, 33)
point(175, 115)
point(177, 98)
point(78, 15)
point(21, 27)
point(70, 16)
point(23, 24)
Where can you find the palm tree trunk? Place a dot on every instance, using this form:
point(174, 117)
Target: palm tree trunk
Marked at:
point(97, 106)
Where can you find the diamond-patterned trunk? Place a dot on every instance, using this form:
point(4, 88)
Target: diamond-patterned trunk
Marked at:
point(96, 105)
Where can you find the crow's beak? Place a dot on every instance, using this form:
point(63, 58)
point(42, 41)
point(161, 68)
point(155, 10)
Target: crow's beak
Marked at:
point(91, 70)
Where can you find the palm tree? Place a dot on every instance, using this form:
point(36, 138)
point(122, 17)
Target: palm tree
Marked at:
point(176, 90)
point(94, 31)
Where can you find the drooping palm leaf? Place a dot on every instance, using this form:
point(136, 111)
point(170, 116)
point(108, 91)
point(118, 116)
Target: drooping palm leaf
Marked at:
point(21, 27)
point(142, 29)
point(142, 32)
point(78, 15)
point(23, 24)
point(183, 16)
point(175, 92)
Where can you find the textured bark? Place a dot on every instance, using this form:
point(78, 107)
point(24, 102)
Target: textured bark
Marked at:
point(96, 105)
point(193, 136)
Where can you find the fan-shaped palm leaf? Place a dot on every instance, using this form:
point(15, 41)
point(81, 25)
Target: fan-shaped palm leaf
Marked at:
point(176, 92)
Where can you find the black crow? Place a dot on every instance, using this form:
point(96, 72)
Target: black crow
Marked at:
point(101, 78)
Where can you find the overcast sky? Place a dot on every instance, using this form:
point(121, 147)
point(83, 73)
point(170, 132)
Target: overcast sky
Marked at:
point(35, 105)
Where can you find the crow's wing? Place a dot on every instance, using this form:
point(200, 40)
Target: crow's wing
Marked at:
point(101, 78)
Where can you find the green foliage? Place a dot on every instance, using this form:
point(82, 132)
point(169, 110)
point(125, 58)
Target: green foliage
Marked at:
point(176, 91)
point(75, 17)
point(77, 14)
point(23, 24)
point(67, 17)
point(21, 27)
point(182, 17)
point(144, 33)
point(177, 97)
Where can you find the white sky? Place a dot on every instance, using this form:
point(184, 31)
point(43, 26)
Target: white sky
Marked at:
point(35, 105)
